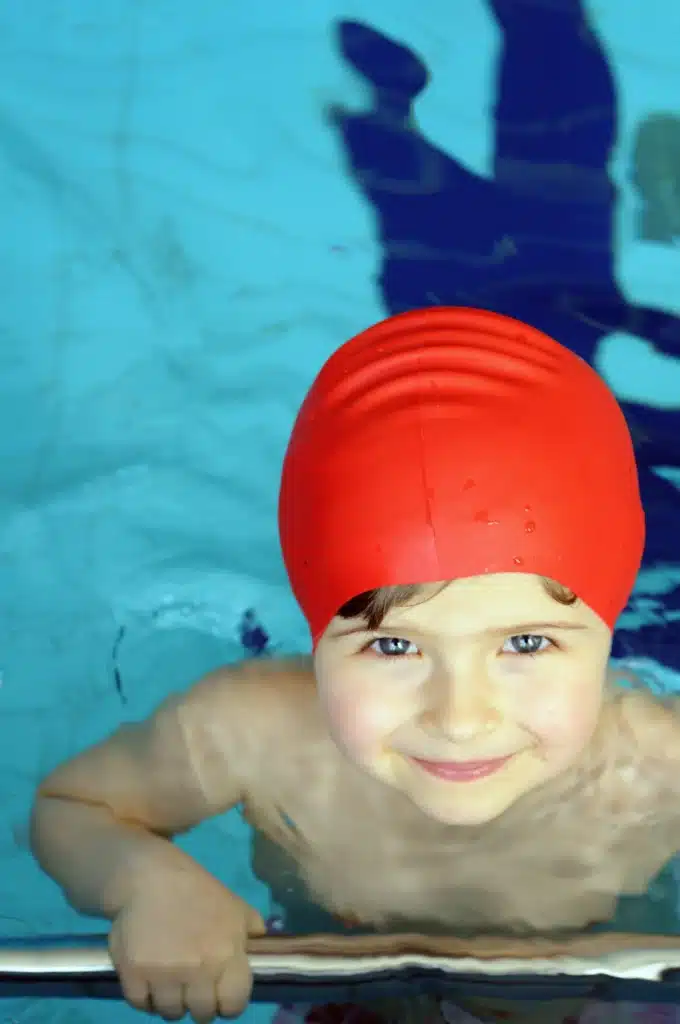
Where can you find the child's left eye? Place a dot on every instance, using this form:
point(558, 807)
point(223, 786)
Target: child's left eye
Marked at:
point(527, 643)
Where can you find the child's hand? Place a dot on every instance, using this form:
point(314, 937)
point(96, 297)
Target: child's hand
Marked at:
point(179, 946)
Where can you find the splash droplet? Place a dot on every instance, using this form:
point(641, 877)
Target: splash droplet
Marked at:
point(493, 522)
point(518, 561)
point(529, 526)
point(469, 484)
point(482, 516)
point(527, 509)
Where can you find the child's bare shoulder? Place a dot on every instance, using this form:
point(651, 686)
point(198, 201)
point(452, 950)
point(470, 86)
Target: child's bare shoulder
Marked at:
point(649, 753)
point(260, 696)
point(263, 674)
point(236, 713)
point(652, 723)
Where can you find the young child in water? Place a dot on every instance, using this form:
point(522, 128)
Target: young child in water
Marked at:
point(461, 524)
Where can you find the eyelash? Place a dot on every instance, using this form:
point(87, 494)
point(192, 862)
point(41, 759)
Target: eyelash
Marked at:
point(367, 648)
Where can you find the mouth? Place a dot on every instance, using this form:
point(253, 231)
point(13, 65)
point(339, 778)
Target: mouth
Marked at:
point(462, 771)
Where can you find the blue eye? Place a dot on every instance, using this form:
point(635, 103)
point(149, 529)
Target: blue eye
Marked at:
point(392, 647)
point(527, 643)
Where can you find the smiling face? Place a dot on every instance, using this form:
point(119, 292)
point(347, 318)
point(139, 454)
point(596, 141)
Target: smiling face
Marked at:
point(469, 695)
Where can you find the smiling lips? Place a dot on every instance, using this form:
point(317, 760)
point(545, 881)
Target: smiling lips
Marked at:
point(462, 771)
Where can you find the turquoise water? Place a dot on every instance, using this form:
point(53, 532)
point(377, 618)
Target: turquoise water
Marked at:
point(199, 203)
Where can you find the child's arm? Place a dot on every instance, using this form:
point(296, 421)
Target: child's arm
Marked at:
point(102, 821)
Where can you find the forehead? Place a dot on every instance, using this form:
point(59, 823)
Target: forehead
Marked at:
point(485, 602)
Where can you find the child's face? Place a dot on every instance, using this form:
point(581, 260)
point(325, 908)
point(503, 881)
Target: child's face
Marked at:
point(490, 681)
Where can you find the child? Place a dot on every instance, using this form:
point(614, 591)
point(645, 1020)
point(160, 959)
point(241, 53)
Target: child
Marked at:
point(461, 524)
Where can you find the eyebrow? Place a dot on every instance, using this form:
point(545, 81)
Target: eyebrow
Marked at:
point(533, 627)
point(510, 630)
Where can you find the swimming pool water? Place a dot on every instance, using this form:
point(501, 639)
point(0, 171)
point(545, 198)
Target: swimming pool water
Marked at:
point(200, 202)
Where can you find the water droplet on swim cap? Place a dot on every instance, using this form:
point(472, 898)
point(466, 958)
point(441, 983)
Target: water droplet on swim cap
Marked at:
point(529, 526)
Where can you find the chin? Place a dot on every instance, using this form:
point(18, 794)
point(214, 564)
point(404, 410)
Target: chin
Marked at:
point(467, 815)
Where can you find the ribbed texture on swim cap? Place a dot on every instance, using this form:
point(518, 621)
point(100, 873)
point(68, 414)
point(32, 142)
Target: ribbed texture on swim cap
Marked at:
point(452, 442)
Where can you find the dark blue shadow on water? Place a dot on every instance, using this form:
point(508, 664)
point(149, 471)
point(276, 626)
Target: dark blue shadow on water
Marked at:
point(535, 240)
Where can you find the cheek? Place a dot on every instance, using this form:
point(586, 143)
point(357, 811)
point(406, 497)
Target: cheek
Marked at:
point(563, 713)
point(359, 717)
point(347, 719)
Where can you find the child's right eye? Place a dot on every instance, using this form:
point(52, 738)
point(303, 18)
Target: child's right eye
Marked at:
point(392, 647)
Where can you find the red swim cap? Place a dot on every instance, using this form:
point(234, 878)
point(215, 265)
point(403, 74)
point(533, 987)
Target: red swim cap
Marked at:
point(449, 442)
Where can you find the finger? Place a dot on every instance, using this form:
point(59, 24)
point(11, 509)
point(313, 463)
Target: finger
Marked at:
point(255, 924)
point(200, 999)
point(167, 1000)
point(136, 991)
point(234, 987)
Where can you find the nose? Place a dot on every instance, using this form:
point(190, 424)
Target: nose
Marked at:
point(462, 704)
